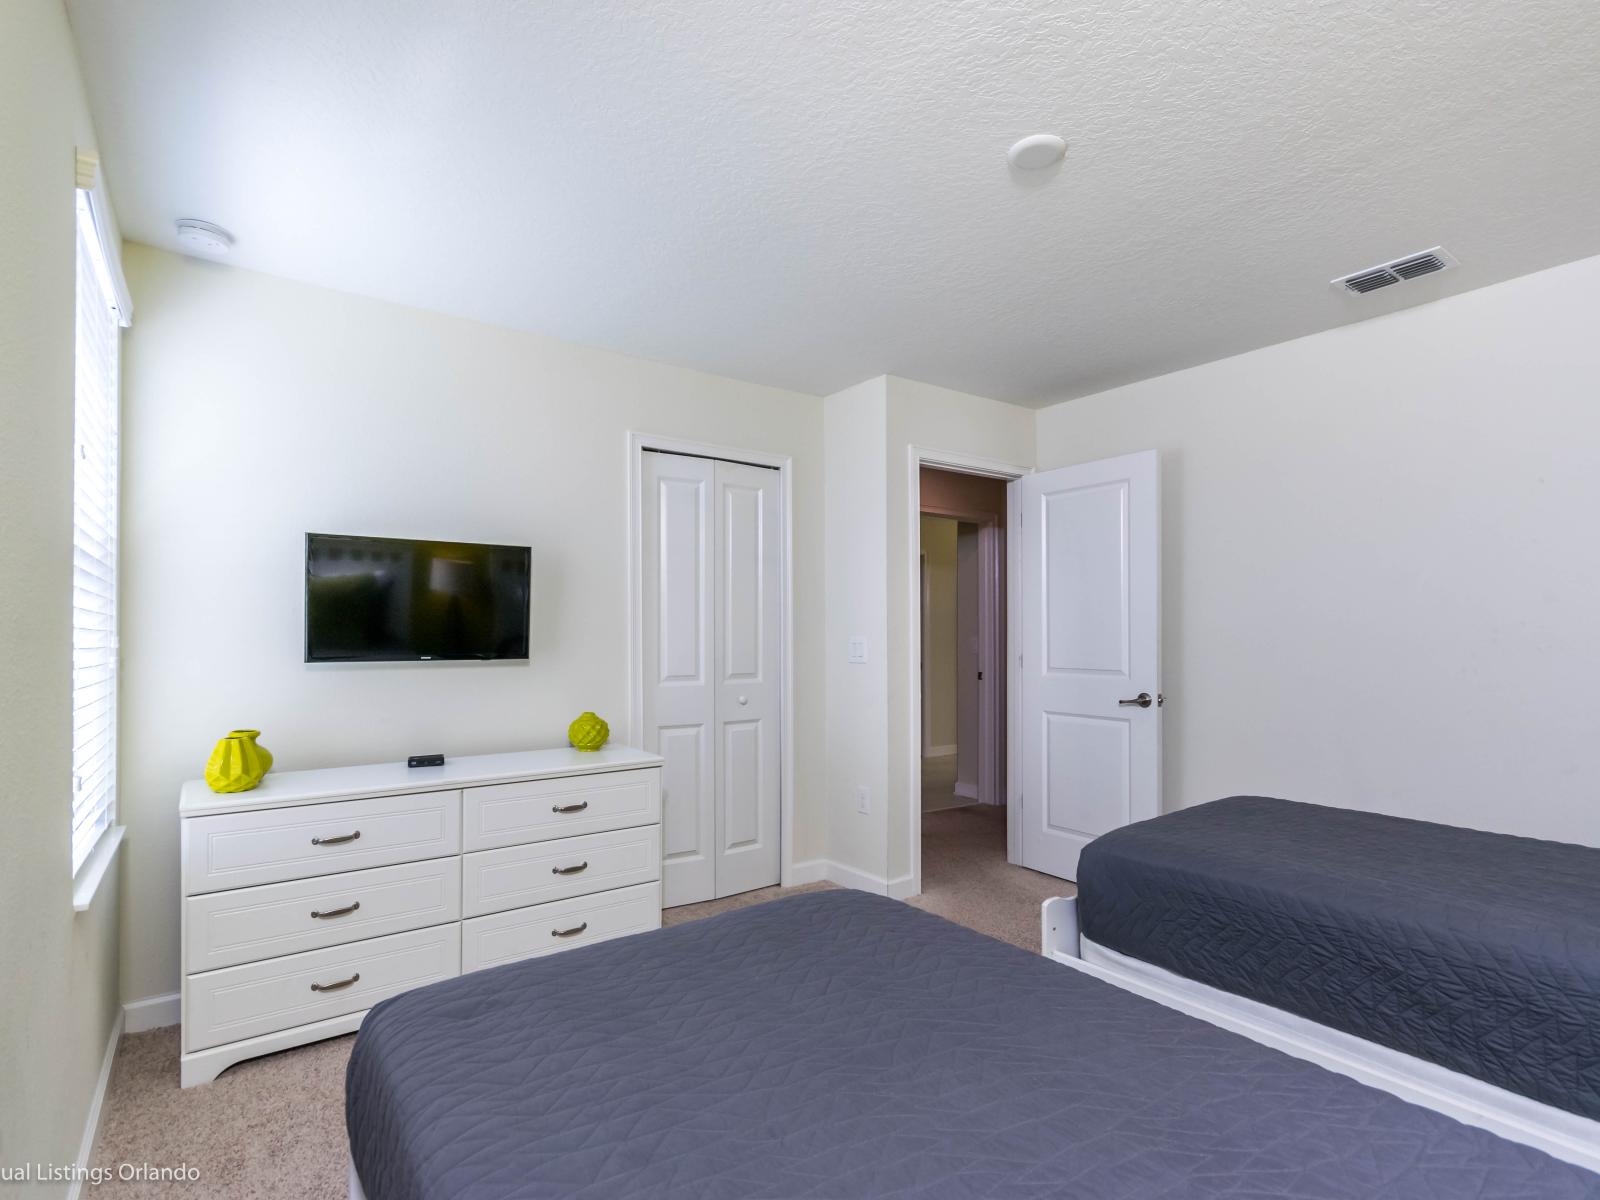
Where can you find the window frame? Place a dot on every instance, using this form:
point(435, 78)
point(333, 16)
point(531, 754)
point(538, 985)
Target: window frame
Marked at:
point(101, 309)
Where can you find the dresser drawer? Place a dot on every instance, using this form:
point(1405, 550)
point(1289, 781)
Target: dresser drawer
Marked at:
point(222, 929)
point(241, 849)
point(516, 876)
point(532, 932)
point(242, 1002)
point(509, 814)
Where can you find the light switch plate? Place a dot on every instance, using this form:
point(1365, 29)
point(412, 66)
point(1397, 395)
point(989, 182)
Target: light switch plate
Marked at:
point(863, 802)
point(857, 650)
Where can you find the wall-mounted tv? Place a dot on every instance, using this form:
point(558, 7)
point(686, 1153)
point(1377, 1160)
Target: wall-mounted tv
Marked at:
point(393, 600)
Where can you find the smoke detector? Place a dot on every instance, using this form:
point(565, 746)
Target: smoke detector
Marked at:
point(202, 237)
point(1398, 270)
point(1037, 153)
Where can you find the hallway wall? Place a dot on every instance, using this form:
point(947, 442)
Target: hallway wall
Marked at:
point(939, 727)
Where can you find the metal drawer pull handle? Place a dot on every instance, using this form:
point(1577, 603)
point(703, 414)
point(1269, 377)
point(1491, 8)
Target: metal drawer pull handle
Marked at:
point(583, 866)
point(573, 932)
point(1142, 700)
point(336, 841)
point(334, 987)
point(336, 912)
point(570, 808)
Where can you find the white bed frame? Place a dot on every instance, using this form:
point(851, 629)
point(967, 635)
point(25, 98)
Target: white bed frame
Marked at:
point(1559, 1133)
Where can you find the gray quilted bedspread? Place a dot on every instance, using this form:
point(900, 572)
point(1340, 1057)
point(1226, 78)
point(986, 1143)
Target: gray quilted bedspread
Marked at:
point(838, 1044)
point(1474, 950)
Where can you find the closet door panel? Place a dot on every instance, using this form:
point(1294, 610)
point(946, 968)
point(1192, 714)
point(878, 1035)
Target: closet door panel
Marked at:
point(679, 652)
point(748, 712)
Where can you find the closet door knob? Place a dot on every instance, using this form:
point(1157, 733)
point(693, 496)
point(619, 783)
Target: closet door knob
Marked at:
point(744, 699)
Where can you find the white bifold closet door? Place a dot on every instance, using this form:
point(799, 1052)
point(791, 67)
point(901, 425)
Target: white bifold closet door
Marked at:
point(711, 560)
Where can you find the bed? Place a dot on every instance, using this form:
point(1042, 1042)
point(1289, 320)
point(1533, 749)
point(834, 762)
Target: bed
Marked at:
point(1474, 951)
point(838, 1044)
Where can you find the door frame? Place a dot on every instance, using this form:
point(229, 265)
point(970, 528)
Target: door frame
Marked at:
point(638, 443)
point(918, 457)
point(922, 646)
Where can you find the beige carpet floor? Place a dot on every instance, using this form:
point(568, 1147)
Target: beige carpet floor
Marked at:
point(273, 1128)
point(966, 879)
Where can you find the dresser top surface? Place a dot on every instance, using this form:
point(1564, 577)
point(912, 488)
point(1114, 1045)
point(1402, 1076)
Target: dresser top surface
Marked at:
point(281, 789)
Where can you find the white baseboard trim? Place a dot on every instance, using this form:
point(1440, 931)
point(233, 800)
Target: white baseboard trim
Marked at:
point(865, 881)
point(861, 881)
point(813, 871)
point(153, 1012)
point(967, 791)
point(938, 752)
point(91, 1123)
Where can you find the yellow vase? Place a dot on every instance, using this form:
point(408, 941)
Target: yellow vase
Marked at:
point(238, 763)
point(588, 732)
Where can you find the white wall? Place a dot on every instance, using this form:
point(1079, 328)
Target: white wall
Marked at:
point(259, 409)
point(855, 424)
point(1380, 576)
point(58, 997)
point(931, 419)
point(873, 523)
point(939, 633)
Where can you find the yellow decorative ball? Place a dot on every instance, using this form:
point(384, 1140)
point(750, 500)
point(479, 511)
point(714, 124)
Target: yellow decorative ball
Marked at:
point(588, 732)
point(237, 763)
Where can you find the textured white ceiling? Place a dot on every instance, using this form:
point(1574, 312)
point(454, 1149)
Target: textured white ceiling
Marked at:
point(809, 194)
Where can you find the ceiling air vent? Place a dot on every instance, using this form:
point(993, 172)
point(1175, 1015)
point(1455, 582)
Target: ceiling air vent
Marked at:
point(1412, 266)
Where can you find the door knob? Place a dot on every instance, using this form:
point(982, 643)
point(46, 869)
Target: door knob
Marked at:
point(1142, 700)
point(744, 699)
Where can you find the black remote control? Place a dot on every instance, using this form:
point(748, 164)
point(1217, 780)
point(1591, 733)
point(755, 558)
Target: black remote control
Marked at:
point(425, 760)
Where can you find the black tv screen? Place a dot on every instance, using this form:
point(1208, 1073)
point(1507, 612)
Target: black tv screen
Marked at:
point(394, 600)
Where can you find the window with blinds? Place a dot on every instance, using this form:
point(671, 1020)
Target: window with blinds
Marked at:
point(94, 544)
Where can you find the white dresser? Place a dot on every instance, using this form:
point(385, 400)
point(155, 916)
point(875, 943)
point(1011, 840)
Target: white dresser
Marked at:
point(311, 898)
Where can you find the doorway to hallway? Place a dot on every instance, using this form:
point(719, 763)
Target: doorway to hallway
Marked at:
point(962, 526)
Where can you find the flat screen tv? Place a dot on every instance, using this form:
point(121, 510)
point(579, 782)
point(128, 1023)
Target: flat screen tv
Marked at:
point(394, 600)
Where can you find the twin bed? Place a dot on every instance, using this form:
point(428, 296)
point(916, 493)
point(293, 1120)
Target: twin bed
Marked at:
point(839, 1044)
point(1475, 951)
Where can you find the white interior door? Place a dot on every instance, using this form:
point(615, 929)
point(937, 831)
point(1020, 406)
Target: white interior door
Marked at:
point(749, 615)
point(679, 613)
point(1090, 725)
point(711, 558)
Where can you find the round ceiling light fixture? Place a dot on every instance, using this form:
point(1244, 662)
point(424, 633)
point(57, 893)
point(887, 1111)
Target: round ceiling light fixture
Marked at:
point(1037, 153)
point(202, 237)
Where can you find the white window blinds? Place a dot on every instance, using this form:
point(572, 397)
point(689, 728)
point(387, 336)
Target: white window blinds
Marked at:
point(94, 542)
